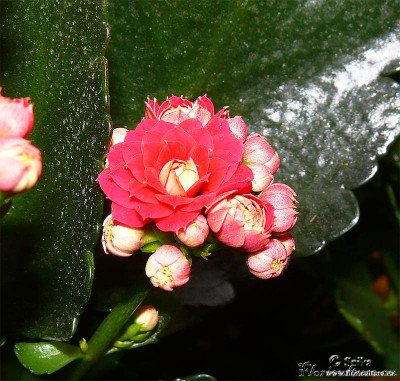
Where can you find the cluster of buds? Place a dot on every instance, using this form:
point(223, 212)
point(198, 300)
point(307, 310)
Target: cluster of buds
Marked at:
point(254, 217)
point(20, 161)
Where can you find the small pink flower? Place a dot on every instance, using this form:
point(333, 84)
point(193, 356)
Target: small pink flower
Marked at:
point(257, 150)
point(262, 177)
point(119, 239)
point(176, 110)
point(168, 268)
point(241, 221)
point(282, 198)
point(238, 128)
point(16, 117)
point(268, 262)
point(20, 165)
point(118, 135)
point(147, 317)
point(195, 233)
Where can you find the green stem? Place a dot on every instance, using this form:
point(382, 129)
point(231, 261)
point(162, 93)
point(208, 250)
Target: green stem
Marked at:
point(111, 326)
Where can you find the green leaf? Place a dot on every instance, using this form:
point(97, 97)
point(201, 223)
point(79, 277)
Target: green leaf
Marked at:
point(305, 74)
point(46, 357)
point(52, 51)
point(150, 247)
point(197, 377)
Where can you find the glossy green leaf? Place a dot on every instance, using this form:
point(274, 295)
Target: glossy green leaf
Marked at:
point(306, 74)
point(197, 377)
point(46, 357)
point(52, 51)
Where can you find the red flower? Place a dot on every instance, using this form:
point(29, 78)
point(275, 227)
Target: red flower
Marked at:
point(168, 172)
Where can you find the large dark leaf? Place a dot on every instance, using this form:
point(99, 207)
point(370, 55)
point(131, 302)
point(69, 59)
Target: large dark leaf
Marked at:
point(306, 74)
point(52, 51)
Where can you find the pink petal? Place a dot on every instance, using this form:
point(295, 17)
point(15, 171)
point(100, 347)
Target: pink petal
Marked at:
point(199, 202)
point(144, 125)
point(152, 210)
point(206, 103)
point(189, 125)
point(105, 180)
point(178, 134)
point(232, 233)
point(130, 150)
point(115, 155)
point(150, 154)
point(203, 137)
point(218, 126)
point(142, 192)
point(135, 164)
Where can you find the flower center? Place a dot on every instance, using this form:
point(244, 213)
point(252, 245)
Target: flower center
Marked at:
point(164, 275)
point(278, 264)
point(177, 176)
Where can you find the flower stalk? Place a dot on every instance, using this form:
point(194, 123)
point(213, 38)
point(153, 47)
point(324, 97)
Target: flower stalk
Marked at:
point(111, 327)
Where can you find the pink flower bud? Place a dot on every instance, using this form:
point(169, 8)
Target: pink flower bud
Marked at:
point(16, 117)
point(119, 239)
point(262, 177)
point(287, 240)
point(195, 233)
point(241, 221)
point(20, 165)
point(257, 150)
point(168, 268)
point(268, 262)
point(147, 317)
point(118, 136)
point(238, 128)
point(282, 198)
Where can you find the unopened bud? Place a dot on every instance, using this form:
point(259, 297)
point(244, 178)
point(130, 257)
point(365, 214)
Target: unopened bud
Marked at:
point(195, 233)
point(119, 239)
point(146, 317)
point(262, 177)
point(257, 150)
point(20, 165)
point(268, 262)
point(238, 128)
point(118, 136)
point(16, 117)
point(168, 268)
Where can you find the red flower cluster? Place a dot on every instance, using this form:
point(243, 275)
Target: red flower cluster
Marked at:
point(190, 171)
point(170, 170)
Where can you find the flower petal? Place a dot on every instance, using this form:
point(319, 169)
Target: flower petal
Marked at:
point(177, 220)
point(127, 216)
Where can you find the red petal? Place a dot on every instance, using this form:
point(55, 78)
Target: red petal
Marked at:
point(145, 125)
point(122, 176)
point(217, 170)
point(142, 192)
point(135, 164)
point(194, 189)
point(150, 154)
point(189, 125)
point(240, 181)
point(172, 200)
point(176, 221)
point(177, 134)
point(218, 126)
point(153, 181)
point(228, 143)
point(105, 180)
point(127, 216)
point(206, 103)
point(115, 155)
point(121, 196)
point(152, 210)
point(131, 149)
point(199, 202)
point(202, 136)
point(200, 155)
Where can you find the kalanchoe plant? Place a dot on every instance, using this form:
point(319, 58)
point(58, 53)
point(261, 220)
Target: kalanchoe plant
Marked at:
point(189, 170)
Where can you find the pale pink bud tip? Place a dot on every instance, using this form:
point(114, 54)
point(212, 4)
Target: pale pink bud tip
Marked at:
point(282, 198)
point(118, 136)
point(16, 117)
point(262, 177)
point(20, 165)
point(268, 262)
point(287, 240)
point(195, 233)
point(238, 128)
point(257, 150)
point(147, 317)
point(119, 239)
point(168, 268)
